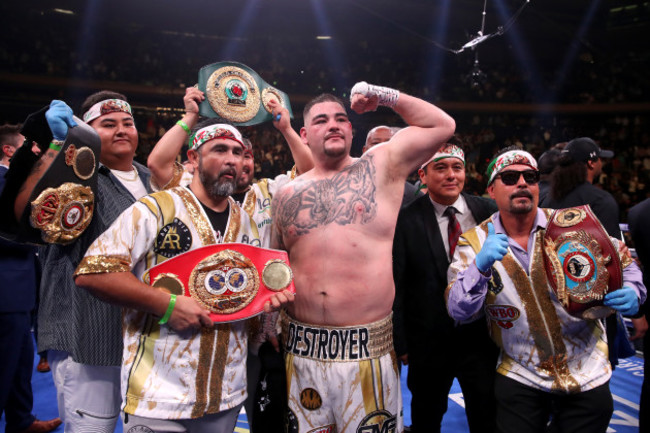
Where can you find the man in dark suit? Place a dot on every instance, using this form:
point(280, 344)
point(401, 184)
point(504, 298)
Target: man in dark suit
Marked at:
point(17, 300)
point(640, 232)
point(436, 349)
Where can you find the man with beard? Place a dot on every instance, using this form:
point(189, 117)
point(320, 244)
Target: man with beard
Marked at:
point(179, 372)
point(254, 197)
point(550, 361)
point(337, 222)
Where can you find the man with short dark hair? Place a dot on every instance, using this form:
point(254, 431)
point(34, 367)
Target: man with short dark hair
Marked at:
point(82, 333)
point(437, 349)
point(10, 140)
point(337, 222)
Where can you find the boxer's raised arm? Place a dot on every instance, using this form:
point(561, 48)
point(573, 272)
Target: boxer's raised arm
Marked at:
point(429, 126)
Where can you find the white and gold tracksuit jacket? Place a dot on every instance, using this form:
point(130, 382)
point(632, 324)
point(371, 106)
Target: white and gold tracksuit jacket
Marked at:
point(257, 202)
point(257, 205)
point(165, 374)
point(542, 345)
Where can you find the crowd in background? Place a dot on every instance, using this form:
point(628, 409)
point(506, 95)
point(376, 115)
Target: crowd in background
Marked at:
point(65, 46)
point(626, 176)
point(70, 46)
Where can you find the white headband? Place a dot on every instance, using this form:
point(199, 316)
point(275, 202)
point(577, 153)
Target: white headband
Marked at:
point(218, 130)
point(106, 106)
point(446, 151)
point(510, 158)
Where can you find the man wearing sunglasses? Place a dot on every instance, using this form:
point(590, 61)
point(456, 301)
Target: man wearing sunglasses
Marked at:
point(550, 361)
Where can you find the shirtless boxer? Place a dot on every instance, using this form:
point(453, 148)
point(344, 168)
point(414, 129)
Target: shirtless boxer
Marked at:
point(337, 222)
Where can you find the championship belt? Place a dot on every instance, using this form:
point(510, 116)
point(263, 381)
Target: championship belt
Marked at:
point(61, 205)
point(581, 262)
point(235, 92)
point(231, 280)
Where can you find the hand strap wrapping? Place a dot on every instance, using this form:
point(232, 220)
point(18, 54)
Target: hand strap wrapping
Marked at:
point(387, 97)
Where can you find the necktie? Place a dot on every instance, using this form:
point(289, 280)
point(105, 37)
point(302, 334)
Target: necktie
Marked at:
point(453, 230)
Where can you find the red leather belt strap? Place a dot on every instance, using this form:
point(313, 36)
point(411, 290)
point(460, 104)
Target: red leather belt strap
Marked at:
point(582, 264)
point(232, 280)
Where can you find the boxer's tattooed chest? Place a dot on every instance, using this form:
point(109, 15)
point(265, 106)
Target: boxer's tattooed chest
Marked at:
point(347, 198)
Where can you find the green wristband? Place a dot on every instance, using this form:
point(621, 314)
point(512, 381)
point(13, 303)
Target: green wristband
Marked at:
point(56, 145)
point(168, 313)
point(184, 126)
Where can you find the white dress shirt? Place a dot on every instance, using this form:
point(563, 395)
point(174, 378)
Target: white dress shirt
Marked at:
point(463, 215)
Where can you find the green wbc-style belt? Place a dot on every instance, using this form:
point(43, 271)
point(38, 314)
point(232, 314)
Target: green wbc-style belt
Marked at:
point(236, 93)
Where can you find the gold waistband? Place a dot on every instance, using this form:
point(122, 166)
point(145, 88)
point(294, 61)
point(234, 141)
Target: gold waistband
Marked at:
point(337, 344)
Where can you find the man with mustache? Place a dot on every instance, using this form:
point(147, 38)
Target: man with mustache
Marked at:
point(425, 240)
point(550, 361)
point(337, 222)
point(254, 197)
point(180, 372)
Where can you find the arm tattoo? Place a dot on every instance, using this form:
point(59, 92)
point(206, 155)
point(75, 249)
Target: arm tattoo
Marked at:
point(39, 163)
point(346, 198)
point(36, 167)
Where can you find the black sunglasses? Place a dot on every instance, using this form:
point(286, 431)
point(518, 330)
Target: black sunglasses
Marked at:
point(511, 177)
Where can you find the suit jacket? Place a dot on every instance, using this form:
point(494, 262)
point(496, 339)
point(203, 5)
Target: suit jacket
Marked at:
point(411, 192)
point(641, 236)
point(18, 272)
point(420, 265)
point(602, 203)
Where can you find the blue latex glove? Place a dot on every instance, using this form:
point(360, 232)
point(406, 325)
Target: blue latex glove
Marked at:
point(624, 300)
point(59, 119)
point(494, 248)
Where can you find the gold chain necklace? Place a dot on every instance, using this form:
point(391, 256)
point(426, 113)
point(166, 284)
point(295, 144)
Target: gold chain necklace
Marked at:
point(135, 175)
